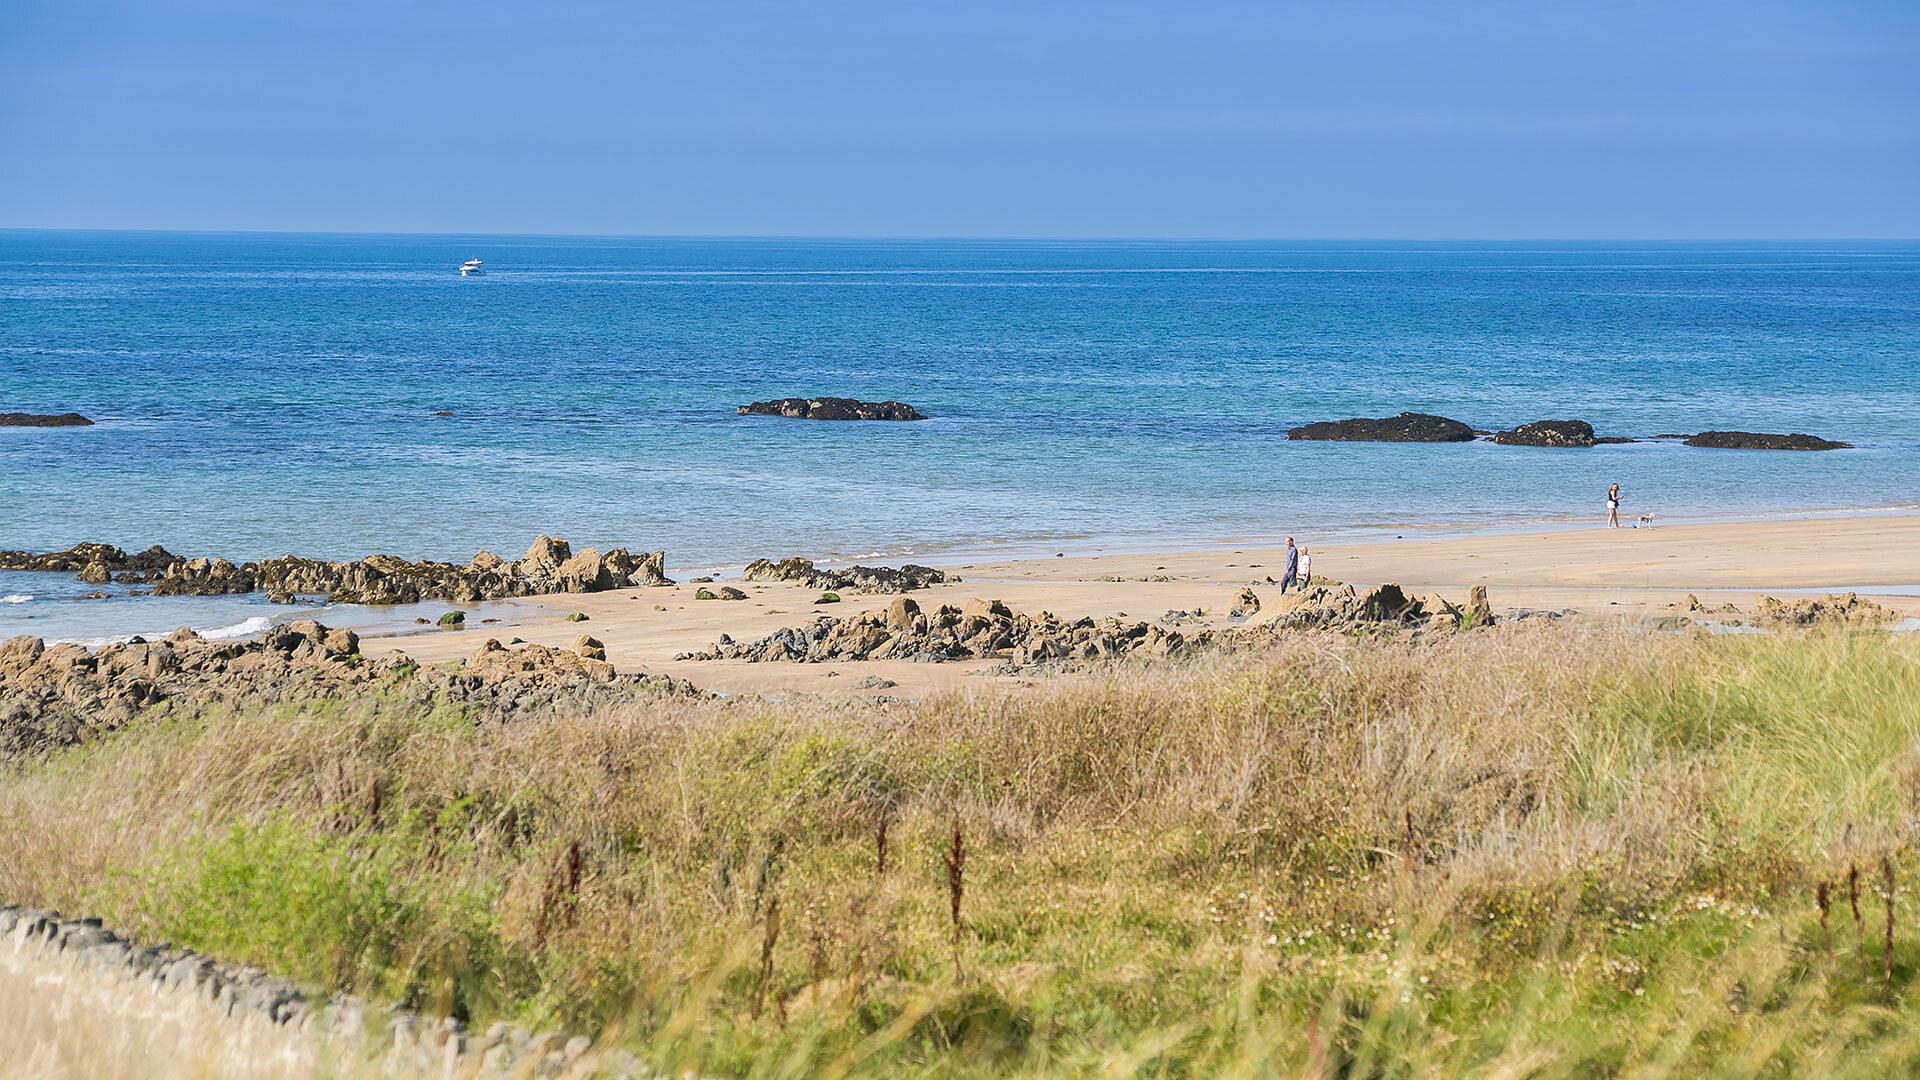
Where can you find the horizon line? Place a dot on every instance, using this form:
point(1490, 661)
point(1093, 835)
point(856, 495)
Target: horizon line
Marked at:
point(965, 238)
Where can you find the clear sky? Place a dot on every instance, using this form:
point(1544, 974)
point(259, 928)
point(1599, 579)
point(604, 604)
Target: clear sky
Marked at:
point(1346, 118)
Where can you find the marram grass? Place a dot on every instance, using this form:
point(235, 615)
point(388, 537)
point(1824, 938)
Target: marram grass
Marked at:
point(1534, 853)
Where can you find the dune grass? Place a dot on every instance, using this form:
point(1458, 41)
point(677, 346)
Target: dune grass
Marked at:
point(1523, 852)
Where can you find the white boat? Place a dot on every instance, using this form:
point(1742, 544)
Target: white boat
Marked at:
point(471, 266)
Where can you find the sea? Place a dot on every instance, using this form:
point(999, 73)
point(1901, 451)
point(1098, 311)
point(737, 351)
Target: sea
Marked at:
point(264, 394)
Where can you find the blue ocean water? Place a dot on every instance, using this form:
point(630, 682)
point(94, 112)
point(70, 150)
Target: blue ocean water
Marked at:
point(264, 394)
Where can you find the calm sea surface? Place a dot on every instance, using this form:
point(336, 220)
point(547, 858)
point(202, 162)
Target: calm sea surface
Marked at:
point(258, 395)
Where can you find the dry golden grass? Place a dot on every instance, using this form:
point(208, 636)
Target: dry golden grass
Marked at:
point(1531, 849)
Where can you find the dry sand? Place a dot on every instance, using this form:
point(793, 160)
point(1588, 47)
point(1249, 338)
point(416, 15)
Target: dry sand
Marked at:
point(1622, 574)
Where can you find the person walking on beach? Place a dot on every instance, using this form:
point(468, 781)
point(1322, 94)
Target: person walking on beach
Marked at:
point(1291, 576)
point(1613, 506)
point(1306, 568)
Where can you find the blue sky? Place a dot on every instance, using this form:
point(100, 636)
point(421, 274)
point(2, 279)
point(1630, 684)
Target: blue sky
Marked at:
point(1273, 120)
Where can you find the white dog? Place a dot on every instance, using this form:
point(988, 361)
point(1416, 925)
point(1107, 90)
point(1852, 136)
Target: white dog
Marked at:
point(1645, 519)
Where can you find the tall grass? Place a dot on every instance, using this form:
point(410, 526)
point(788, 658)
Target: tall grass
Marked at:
point(1519, 852)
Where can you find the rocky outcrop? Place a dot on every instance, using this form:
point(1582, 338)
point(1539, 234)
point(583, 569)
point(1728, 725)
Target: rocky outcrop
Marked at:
point(860, 579)
point(831, 408)
point(988, 629)
point(81, 557)
point(1753, 440)
point(1406, 427)
point(1549, 433)
point(59, 695)
point(977, 630)
point(21, 419)
point(1246, 603)
point(550, 566)
point(1836, 609)
point(1334, 605)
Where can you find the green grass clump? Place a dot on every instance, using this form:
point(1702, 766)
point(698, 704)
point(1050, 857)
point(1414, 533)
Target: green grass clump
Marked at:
point(1516, 852)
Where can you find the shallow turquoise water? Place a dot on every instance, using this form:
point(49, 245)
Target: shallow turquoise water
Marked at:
point(267, 394)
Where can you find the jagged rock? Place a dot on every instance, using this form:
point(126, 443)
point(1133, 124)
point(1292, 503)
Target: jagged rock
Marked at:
point(831, 408)
point(1245, 604)
point(1332, 604)
point(728, 592)
point(20, 419)
point(1841, 609)
point(1692, 603)
point(860, 579)
point(52, 697)
point(80, 556)
point(979, 629)
point(902, 613)
point(1752, 440)
point(1406, 427)
point(1479, 610)
point(1551, 433)
point(987, 629)
point(550, 566)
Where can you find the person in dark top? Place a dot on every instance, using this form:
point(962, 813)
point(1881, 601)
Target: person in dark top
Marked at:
point(1613, 507)
point(1291, 576)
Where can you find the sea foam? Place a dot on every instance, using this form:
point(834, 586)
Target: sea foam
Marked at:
point(247, 628)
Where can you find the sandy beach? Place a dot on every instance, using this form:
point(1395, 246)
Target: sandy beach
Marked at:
point(1628, 574)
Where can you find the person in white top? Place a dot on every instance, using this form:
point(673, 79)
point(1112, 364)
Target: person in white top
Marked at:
point(1306, 568)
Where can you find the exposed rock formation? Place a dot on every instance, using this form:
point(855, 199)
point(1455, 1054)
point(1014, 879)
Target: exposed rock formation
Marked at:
point(980, 629)
point(59, 695)
point(80, 557)
point(1844, 610)
point(1407, 427)
point(1331, 604)
point(832, 408)
point(1753, 440)
point(21, 419)
point(549, 566)
point(1245, 603)
point(861, 579)
point(988, 629)
point(1551, 433)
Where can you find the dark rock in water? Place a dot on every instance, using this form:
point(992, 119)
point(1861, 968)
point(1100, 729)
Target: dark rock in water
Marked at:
point(1407, 427)
point(1752, 440)
point(54, 696)
point(550, 566)
point(1552, 433)
point(1672, 436)
point(832, 408)
point(20, 419)
point(861, 579)
point(444, 413)
point(1613, 440)
point(79, 557)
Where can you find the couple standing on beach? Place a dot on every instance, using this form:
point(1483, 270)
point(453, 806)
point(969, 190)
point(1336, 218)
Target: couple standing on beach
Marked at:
point(1299, 568)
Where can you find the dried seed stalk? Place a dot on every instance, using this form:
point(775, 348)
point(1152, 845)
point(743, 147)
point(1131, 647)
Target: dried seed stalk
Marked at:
point(956, 872)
